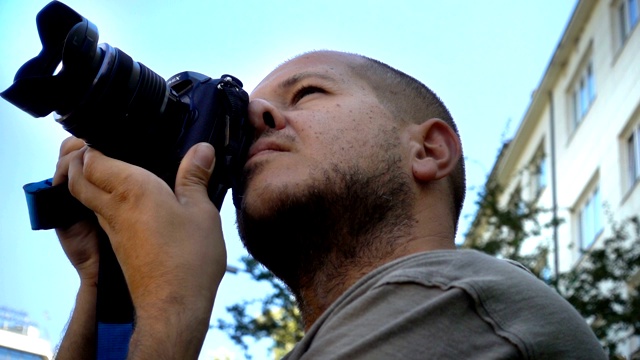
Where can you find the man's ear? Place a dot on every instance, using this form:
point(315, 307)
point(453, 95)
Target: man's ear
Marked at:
point(435, 150)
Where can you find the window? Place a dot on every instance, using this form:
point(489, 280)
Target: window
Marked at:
point(539, 172)
point(627, 18)
point(583, 94)
point(590, 219)
point(633, 157)
point(517, 203)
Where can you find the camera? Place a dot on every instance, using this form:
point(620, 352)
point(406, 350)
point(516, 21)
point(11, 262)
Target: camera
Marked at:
point(127, 111)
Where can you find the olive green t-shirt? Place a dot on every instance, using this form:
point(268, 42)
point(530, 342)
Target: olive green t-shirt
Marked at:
point(457, 304)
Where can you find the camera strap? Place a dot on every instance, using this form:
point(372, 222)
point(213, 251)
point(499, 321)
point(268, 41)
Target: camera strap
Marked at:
point(53, 207)
point(114, 309)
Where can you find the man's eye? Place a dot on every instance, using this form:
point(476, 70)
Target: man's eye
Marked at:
point(304, 91)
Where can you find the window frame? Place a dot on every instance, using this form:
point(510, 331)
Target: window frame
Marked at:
point(582, 92)
point(626, 14)
point(632, 153)
point(589, 218)
point(538, 172)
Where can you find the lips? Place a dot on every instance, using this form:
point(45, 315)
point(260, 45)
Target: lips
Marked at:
point(263, 146)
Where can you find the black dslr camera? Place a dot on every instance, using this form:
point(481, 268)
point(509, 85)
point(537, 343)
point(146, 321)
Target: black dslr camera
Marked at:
point(125, 110)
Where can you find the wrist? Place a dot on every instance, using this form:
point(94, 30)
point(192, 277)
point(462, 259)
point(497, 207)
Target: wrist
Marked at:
point(79, 339)
point(88, 274)
point(88, 284)
point(170, 328)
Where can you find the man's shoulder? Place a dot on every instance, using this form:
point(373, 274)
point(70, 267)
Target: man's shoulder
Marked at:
point(438, 300)
point(495, 286)
point(446, 268)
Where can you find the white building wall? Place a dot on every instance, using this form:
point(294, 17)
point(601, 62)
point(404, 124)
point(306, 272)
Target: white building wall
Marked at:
point(594, 153)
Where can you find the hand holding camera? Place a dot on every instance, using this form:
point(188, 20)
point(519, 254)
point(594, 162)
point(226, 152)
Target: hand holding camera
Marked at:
point(133, 162)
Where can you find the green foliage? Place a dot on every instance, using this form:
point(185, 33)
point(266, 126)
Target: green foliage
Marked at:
point(501, 230)
point(278, 318)
point(605, 286)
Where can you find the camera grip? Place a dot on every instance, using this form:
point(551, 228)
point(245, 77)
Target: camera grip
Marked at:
point(53, 207)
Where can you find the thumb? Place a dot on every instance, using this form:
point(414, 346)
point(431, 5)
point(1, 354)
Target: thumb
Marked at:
point(194, 173)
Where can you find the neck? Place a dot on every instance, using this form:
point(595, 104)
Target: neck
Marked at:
point(319, 289)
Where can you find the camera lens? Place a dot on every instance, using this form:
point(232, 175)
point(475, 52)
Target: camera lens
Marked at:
point(100, 94)
point(122, 109)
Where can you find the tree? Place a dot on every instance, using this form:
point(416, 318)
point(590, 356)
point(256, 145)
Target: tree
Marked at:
point(605, 286)
point(501, 231)
point(279, 317)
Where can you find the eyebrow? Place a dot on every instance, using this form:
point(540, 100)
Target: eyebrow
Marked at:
point(294, 79)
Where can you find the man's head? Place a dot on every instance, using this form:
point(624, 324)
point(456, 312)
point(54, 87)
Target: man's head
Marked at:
point(349, 151)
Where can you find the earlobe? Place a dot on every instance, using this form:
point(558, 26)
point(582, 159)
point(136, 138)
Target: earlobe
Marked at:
point(436, 150)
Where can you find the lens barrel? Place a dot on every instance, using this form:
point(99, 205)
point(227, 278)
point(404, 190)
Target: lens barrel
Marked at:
point(123, 111)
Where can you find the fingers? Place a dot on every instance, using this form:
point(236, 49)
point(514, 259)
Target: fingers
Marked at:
point(107, 173)
point(68, 147)
point(194, 173)
point(114, 189)
point(70, 144)
point(103, 172)
point(111, 187)
point(79, 241)
point(80, 186)
point(95, 174)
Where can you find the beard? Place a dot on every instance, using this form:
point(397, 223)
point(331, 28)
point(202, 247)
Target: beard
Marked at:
point(348, 218)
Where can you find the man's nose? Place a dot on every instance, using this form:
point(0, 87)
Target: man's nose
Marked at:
point(263, 115)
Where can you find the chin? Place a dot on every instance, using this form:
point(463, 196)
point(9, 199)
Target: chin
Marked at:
point(294, 226)
point(268, 186)
point(261, 198)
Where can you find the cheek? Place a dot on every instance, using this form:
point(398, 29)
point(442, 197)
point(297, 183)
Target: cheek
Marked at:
point(343, 132)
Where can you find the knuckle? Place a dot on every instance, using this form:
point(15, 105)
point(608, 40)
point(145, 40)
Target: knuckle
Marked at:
point(88, 165)
point(69, 145)
point(130, 192)
point(74, 187)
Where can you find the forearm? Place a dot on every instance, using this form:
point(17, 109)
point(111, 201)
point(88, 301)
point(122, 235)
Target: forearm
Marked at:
point(79, 341)
point(171, 329)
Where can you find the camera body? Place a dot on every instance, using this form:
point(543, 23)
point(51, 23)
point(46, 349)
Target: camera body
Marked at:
point(125, 110)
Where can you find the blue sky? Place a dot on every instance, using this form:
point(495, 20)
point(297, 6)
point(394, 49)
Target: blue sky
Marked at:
point(483, 58)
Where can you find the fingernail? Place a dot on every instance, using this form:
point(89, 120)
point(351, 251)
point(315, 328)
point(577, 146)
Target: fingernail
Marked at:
point(204, 156)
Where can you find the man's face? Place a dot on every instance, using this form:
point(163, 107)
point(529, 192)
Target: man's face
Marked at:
point(321, 117)
point(325, 181)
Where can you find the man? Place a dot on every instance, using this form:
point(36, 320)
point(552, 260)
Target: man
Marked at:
point(354, 189)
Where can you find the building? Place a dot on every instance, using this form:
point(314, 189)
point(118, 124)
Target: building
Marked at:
point(20, 338)
point(577, 149)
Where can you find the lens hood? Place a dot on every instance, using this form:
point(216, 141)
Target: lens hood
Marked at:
point(35, 89)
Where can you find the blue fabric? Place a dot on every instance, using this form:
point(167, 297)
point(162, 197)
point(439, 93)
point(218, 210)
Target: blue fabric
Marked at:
point(53, 206)
point(113, 341)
